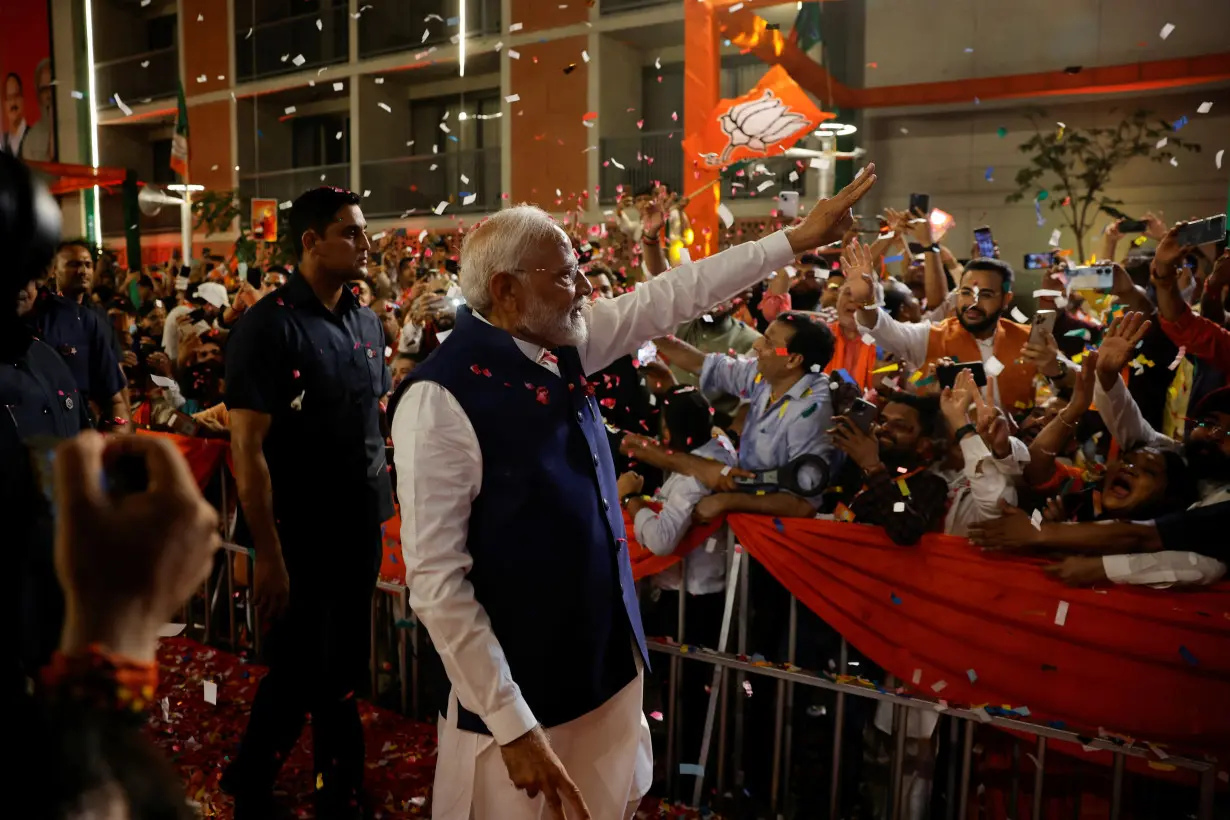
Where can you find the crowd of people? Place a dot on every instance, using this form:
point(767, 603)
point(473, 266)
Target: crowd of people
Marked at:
point(906, 385)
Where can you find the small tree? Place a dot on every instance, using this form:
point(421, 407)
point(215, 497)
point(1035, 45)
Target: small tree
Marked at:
point(1076, 164)
point(217, 211)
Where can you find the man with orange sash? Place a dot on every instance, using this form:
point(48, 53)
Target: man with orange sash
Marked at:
point(977, 333)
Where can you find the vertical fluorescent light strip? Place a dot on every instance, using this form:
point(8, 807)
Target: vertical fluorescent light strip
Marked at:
point(461, 40)
point(89, 56)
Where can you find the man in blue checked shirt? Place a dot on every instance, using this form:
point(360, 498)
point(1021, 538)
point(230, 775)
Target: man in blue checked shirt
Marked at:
point(789, 413)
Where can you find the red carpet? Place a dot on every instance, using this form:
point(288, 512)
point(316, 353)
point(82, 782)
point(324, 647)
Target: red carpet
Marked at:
point(199, 737)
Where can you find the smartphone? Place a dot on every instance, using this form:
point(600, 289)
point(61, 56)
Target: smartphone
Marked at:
point(183, 424)
point(1039, 261)
point(788, 204)
point(1204, 231)
point(254, 276)
point(985, 242)
point(1094, 277)
point(1043, 324)
point(647, 353)
point(947, 373)
point(863, 413)
point(920, 204)
point(1132, 226)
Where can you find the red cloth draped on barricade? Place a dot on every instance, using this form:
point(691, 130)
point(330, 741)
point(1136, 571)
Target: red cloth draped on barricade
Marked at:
point(1151, 663)
point(204, 455)
point(1154, 664)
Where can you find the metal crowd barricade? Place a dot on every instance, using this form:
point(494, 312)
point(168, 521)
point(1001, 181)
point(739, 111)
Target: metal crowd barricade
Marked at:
point(392, 618)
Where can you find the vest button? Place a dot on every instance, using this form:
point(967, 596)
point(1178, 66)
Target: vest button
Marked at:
point(606, 505)
point(580, 416)
point(595, 455)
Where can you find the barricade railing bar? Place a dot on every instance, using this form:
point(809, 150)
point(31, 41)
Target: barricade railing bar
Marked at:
point(395, 630)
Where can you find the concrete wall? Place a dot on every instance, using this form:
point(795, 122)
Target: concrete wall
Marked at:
point(915, 42)
point(621, 88)
point(947, 155)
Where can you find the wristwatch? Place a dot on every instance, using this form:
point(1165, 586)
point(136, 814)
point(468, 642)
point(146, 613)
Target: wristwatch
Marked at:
point(963, 431)
point(1063, 371)
point(934, 247)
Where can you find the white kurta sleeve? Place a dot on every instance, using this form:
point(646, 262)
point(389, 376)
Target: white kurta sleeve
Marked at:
point(905, 340)
point(619, 326)
point(1124, 419)
point(439, 473)
point(1163, 569)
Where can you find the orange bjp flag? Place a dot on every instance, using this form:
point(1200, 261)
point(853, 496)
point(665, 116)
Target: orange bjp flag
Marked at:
point(766, 121)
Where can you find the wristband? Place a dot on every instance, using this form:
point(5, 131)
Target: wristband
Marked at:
point(653, 238)
point(99, 680)
point(1063, 371)
point(934, 247)
point(963, 431)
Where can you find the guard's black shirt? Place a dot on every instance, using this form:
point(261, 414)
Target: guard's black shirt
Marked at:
point(86, 344)
point(320, 374)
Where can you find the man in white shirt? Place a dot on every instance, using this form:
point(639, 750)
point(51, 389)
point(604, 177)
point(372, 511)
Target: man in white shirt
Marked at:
point(514, 545)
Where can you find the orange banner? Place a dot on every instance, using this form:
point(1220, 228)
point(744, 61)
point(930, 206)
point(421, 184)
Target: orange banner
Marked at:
point(265, 220)
point(764, 122)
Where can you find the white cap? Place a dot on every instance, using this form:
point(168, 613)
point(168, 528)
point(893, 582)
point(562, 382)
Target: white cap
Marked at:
point(212, 292)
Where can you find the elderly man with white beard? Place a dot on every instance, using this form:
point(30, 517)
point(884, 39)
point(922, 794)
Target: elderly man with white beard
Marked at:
point(512, 534)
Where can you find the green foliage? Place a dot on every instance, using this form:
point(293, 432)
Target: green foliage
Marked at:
point(217, 211)
point(1076, 164)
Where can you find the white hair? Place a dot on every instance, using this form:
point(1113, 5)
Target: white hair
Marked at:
point(497, 244)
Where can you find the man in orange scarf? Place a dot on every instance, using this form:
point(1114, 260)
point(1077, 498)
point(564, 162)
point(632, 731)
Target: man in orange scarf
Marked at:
point(978, 331)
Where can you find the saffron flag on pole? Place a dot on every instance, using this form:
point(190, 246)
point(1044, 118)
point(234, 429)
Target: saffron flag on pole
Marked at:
point(179, 142)
point(766, 121)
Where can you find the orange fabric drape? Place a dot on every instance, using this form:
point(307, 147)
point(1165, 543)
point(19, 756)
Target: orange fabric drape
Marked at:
point(1153, 664)
point(204, 455)
point(866, 357)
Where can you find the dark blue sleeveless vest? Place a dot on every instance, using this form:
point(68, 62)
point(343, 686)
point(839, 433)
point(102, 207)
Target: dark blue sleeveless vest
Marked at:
point(546, 533)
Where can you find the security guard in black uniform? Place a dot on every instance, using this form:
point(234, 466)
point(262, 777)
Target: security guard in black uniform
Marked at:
point(41, 404)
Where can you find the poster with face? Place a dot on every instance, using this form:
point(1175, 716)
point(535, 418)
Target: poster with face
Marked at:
point(27, 98)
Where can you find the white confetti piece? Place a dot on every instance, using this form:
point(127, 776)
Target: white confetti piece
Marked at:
point(1204, 108)
point(211, 692)
point(499, 46)
point(1174, 162)
point(585, 55)
point(868, 339)
point(512, 98)
point(339, 86)
point(77, 95)
point(366, 193)
point(1046, 293)
point(1036, 519)
point(320, 26)
point(768, 183)
point(736, 7)
point(120, 103)
point(1055, 234)
point(439, 209)
point(615, 162)
point(444, 127)
point(939, 686)
point(465, 180)
point(1217, 159)
point(514, 54)
point(1166, 30)
point(514, 27)
point(378, 237)
point(386, 107)
point(290, 109)
point(905, 130)
point(794, 176)
point(469, 199)
point(202, 79)
point(1017, 316)
point(1061, 613)
point(1161, 144)
point(973, 678)
point(993, 367)
point(145, 64)
point(299, 60)
point(725, 215)
point(171, 630)
point(899, 506)
point(917, 676)
point(200, 18)
point(338, 135)
point(380, 81)
point(249, 34)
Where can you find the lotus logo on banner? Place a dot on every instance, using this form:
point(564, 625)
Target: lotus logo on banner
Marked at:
point(773, 116)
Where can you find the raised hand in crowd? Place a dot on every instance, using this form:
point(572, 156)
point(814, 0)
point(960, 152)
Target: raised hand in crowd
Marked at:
point(1155, 225)
point(1054, 510)
point(830, 218)
point(994, 426)
point(1045, 356)
point(861, 446)
point(856, 264)
point(1118, 347)
point(120, 589)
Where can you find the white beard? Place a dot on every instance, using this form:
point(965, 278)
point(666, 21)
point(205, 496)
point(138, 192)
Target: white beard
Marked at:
point(568, 329)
